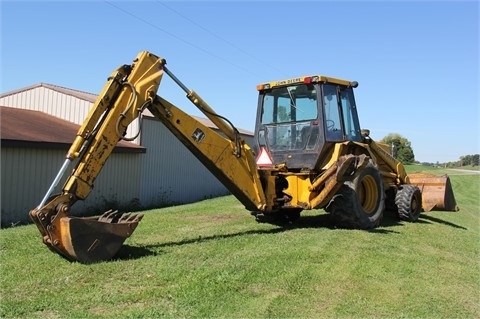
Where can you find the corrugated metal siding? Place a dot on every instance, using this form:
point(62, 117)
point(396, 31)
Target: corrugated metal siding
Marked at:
point(117, 186)
point(28, 173)
point(171, 174)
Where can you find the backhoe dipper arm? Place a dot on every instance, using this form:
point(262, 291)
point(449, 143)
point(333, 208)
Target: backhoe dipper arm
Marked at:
point(128, 92)
point(125, 95)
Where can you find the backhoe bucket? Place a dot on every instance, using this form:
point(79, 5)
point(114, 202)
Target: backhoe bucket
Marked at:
point(90, 239)
point(437, 192)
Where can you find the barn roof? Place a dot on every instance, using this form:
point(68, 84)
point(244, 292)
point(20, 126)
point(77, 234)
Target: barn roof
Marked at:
point(90, 97)
point(35, 129)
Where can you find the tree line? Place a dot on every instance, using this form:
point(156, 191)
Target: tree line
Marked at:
point(401, 149)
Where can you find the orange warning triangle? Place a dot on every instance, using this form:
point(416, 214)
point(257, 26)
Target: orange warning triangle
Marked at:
point(263, 158)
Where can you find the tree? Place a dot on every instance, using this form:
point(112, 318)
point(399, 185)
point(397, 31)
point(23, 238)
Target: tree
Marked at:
point(476, 160)
point(402, 149)
point(467, 160)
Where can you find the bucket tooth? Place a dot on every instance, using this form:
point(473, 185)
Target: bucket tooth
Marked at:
point(107, 216)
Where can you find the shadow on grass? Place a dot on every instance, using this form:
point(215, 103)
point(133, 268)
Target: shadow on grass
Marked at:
point(201, 239)
point(430, 219)
point(326, 221)
point(128, 252)
point(389, 221)
point(319, 221)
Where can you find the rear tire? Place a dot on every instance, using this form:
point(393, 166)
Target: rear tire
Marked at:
point(359, 203)
point(409, 202)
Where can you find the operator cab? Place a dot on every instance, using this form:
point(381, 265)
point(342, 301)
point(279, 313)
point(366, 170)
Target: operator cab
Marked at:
point(297, 119)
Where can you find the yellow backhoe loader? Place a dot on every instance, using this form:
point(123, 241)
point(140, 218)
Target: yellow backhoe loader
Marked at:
point(309, 153)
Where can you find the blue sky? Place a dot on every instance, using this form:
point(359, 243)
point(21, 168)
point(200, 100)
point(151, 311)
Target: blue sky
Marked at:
point(417, 62)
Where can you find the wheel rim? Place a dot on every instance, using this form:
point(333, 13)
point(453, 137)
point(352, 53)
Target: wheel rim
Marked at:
point(414, 204)
point(368, 194)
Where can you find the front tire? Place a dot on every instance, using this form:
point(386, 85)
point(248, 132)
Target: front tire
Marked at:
point(409, 202)
point(359, 203)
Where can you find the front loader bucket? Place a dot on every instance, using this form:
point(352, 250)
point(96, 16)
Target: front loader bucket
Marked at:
point(90, 239)
point(437, 192)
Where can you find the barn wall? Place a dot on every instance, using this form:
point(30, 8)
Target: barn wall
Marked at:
point(26, 175)
point(171, 174)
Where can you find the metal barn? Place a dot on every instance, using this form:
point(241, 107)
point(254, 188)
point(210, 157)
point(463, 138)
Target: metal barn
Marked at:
point(39, 123)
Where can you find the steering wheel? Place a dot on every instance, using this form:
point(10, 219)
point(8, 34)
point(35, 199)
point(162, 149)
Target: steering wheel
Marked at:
point(330, 125)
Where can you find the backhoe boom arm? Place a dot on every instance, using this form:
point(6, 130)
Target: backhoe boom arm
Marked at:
point(128, 92)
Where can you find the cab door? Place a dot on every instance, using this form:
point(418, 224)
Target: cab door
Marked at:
point(340, 114)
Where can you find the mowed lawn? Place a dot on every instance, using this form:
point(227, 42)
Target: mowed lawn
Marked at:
point(212, 260)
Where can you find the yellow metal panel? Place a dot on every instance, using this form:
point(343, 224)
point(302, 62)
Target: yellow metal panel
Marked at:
point(298, 188)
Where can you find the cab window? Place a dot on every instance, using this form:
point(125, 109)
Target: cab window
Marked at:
point(333, 124)
point(289, 104)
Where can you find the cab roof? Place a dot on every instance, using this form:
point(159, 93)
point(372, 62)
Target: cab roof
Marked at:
point(305, 79)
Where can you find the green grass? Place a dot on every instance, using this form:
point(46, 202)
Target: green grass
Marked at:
point(211, 259)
